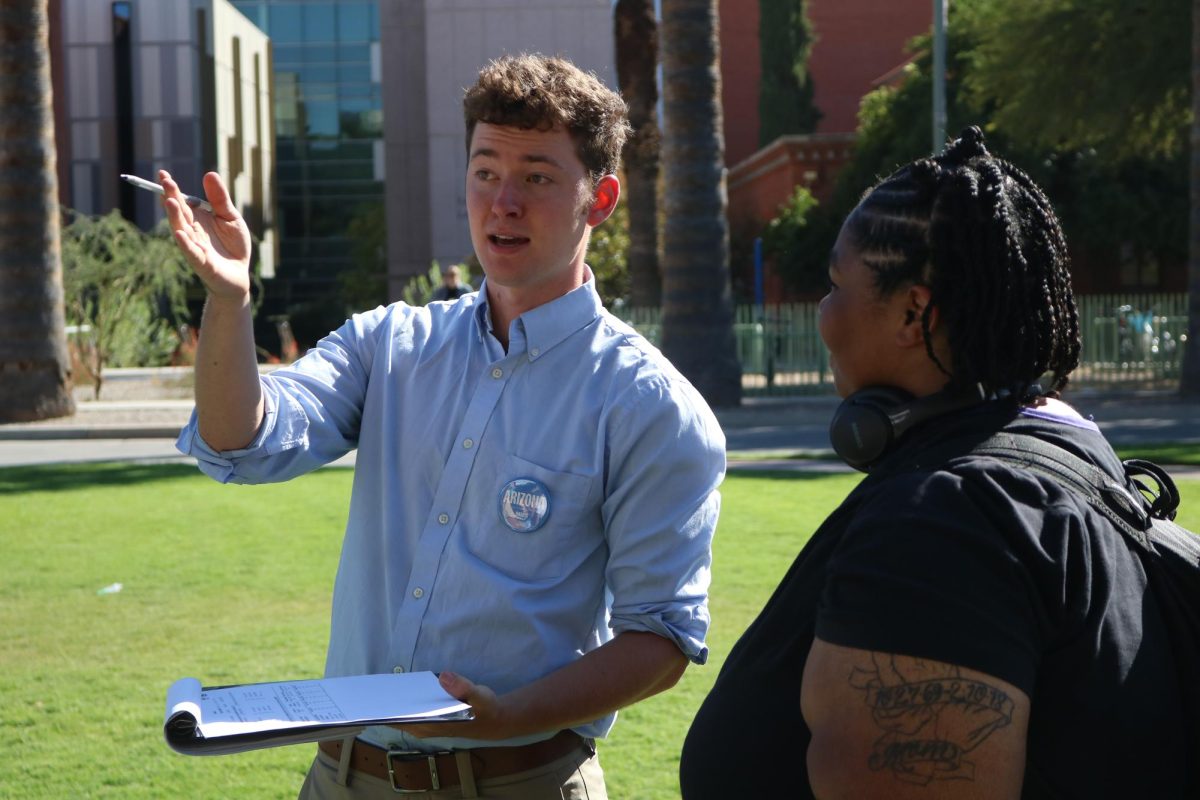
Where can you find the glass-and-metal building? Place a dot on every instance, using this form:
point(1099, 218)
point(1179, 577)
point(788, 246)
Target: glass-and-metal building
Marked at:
point(337, 123)
point(328, 115)
point(343, 67)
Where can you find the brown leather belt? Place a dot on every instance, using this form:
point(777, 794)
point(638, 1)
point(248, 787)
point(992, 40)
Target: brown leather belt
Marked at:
point(408, 771)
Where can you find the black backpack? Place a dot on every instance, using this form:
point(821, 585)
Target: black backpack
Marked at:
point(1144, 514)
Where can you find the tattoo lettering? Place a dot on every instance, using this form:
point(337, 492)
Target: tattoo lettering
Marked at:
point(931, 716)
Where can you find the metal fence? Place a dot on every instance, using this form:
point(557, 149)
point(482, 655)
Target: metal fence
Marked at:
point(1129, 341)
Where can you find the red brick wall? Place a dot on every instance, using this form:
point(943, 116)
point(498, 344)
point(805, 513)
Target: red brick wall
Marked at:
point(858, 42)
point(758, 185)
point(741, 69)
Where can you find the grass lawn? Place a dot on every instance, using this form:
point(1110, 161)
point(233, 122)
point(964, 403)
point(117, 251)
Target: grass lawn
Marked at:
point(1187, 453)
point(232, 584)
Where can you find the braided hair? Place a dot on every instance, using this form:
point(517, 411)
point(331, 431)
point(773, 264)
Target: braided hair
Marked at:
point(984, 238)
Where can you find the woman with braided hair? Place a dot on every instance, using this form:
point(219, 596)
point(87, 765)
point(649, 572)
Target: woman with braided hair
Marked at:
point(960, 626)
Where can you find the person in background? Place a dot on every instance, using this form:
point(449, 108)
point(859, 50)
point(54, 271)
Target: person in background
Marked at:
point(452, 286)
point(546, 546)
point(960, 627)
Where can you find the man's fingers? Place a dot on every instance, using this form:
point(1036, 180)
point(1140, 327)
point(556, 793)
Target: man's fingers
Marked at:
point(191, 250)
point(479, 697)
point(175, 215)
point(218, 197)
point(189, 234)
point(172, 192)
point(456, 686)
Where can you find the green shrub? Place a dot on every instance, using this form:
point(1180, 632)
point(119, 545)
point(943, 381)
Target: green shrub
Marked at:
point(125, 293)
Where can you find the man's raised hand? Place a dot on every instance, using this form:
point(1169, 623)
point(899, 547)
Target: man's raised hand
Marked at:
point(217, 245)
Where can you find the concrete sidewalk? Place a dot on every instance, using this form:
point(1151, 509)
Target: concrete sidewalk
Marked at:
point(142, 412)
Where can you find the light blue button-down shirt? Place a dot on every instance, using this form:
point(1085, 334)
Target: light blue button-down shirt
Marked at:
point(613, 460)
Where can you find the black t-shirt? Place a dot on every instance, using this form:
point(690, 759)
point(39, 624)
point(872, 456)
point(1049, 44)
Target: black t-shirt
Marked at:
point(985, 566)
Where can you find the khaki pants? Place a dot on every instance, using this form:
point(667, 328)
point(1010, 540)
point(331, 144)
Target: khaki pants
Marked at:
point(575, 776)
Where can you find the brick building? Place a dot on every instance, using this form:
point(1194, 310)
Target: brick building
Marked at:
point(860, 44)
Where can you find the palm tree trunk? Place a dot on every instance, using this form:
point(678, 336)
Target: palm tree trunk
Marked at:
point(697, 320)
point(1189, 384)
point(35, 371)
point(636, 34)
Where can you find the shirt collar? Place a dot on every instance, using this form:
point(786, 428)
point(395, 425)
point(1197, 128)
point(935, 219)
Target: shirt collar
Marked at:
point(549, 324)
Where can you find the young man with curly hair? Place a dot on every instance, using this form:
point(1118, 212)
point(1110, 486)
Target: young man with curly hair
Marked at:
point(546, 546)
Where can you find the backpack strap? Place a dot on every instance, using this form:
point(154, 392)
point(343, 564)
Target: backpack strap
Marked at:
point(1166, 498)
point(1119, 503)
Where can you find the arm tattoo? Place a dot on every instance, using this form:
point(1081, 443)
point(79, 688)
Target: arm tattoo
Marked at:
point(931, 717)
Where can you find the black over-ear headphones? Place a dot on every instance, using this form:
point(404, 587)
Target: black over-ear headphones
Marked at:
point(870, 421)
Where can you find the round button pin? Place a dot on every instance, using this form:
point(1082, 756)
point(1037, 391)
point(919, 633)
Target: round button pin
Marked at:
point(524, 505)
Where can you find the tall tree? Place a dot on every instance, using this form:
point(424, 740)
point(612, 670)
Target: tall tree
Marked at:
point(697, 318)
point(35, 371)
point(1108, 75)
point(1113, 196)
point(1189, 384)
point(636, 32)
point(785, 96)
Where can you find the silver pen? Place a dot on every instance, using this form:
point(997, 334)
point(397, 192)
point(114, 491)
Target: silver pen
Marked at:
point(151, 186)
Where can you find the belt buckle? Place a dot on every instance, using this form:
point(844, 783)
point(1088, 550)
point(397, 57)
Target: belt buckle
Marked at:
point(413, 755)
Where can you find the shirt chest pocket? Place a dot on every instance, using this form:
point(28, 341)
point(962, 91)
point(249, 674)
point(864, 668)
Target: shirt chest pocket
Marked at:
point(536, 523)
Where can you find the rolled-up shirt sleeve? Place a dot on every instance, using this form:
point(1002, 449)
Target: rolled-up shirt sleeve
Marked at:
point(311, 412)
point(666, 462)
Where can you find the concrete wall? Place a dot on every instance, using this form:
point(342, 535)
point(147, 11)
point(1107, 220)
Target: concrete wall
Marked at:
point(432, 50)
point(245, 141)
point(163, 97)
point(406, 141)
point(185, 103)
point(89, 105)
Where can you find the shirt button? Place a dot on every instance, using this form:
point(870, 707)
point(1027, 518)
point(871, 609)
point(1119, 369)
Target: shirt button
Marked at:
point(418, 592)
point(443, 518)
point(535, 352)
point(497, 373)
point(398, 669)
point(468, 444)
